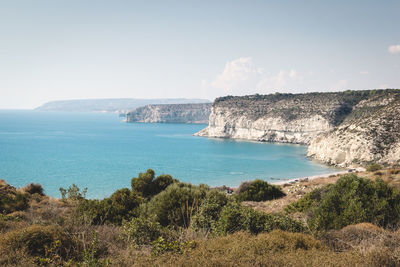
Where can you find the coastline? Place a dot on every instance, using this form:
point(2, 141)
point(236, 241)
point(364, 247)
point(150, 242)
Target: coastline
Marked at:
point(309, 178)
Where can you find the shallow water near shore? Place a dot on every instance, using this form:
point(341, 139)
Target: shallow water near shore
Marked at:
point(101, 152)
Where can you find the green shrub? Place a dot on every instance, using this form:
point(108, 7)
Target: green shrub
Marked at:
point(374, 167)
point(35, 239)
point(351, 200)
point(121, 205)
point(176, 205)
point(162, 182)
point(210, 210)
point(282, 222)
point(258, 190)
point(73, 193)
point(309, 200)
point(124, 204)
point(236, 217)
point(147, 185)
point(141, 231)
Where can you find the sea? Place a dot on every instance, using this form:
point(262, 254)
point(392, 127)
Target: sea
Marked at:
point(102, 153)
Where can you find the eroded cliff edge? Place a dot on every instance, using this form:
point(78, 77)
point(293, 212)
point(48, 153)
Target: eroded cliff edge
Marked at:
point(172, 113)
point(341, 128)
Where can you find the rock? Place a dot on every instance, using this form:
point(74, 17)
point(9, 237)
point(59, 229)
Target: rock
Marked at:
point(341, 128)
point(370, 134)
point(177, 113)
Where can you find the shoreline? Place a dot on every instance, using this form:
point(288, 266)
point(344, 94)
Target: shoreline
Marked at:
point(309, 178)
point(304, 179)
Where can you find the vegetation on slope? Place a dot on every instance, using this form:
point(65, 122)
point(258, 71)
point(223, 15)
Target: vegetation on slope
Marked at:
point(160, 221)
point(351, 200)
point(334, 106)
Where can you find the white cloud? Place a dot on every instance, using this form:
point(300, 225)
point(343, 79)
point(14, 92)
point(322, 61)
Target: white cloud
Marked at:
point(241, 76)
point(363, 72)
point(237, 74)
point(394, 49)
point(274, 83)
point(293, 74)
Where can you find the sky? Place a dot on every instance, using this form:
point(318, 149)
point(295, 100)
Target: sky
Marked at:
point(74, 49)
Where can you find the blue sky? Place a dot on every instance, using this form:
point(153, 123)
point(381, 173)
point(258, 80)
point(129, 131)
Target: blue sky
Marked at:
point(69, 49)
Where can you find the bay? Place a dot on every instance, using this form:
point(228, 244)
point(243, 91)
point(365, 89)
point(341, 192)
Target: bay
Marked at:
point(102, 153)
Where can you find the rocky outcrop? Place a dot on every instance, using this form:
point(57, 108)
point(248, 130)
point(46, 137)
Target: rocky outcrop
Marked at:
point(176, 113)
point(370, 134)
point(340, 128)
point(287, 118)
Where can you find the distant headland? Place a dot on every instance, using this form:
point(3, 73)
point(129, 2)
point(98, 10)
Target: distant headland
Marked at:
point(111, 105)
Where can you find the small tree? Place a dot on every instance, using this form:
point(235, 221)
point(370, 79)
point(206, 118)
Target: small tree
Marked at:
point(73, 193)
point(258, 190)
point(147, 185)
point(177, 204)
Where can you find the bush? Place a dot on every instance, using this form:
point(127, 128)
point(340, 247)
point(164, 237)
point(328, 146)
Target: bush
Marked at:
point(73, 193)
point(161, 246)
point(374, 167)
point(146, 186)
point(309, 200)
point(176, 205)
point(121, 205)
point(36, 238)
point(141, 231)
point(210, 210)
point(258, 190)
point(351, 200)
point(236, 217)
point(282, 222)
point(34, 189)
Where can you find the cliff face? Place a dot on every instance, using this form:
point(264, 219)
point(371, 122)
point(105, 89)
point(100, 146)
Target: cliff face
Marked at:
point(370, 133)
point(178, 113)
point(316, 119)
point(287, 118)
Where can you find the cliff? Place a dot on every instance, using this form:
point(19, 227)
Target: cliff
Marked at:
point(177, 113)
point(110, 105)
point(340, 128)
point(371, 133)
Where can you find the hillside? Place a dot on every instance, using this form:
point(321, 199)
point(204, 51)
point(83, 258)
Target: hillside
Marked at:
point(177, 113)
point(321, 120)
point(159, 221)
point(371, 133)
point(110, 105)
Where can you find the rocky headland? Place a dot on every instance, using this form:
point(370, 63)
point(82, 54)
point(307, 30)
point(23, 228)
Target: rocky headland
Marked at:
point(110, 105)
point(340, 128)
point(173, 113)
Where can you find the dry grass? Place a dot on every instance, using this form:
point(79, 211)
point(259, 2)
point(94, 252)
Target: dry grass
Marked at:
point(242, 249)
point(370, 241)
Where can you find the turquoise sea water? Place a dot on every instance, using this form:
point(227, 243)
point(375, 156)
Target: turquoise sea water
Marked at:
point(101, 152)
